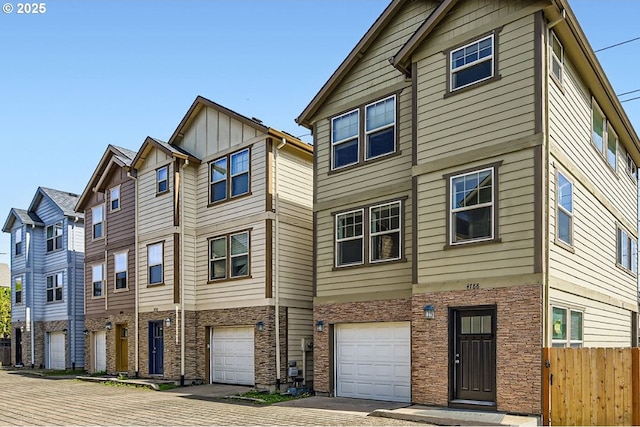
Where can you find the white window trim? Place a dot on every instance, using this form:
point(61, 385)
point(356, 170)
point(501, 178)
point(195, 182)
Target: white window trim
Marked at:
point(231, 255)
point(212, 258)
point(611, 130)
point(158, 180)
point(560, 61)
point(54, 227)
point(161, 264)
point(117, 187)
point(631, 168)
point(491, 204)
point(55, 285)
point(232, 176)
point(93, 223)
point(606, 128)
point(453, 70)
point(345, 239)
point(568, 341)
point(116, 271)
point(560, 207)
point(93, 280)
point(17, 279)
point(630, 250)
point(17, 242)
point(367, 133)
point(212, 182)
point(380, 233)
point(342, 141)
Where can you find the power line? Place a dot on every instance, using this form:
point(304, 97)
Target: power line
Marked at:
point(631, 99)
point(627, 93)
point(617, 44)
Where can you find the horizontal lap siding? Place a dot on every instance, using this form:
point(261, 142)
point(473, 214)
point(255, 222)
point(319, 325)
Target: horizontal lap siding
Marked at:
point(383, 277)
point(236, 291)
point(513, 255)
point(156, 296)
point(295, 185)
point(296, 262)
point(189, 219)
point(300, 322)
point(155, 212)
point(604, 325)
point(93, 248)
point(497, 112)
point(122, 299)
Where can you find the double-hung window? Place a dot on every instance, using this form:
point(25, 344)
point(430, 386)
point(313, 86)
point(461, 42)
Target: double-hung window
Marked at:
point(97, 216)
point(472, 63)
point(472, 206)
point(603, 137)
point(557, 57)
point(17, 283)
point(377, 133)
point(379, 225)
point(97, 279)
point(162, 180)
point(17, 241)
point(155, 258)
point(627, 251)
point(567, 327)
point(630, 165)
point(229, 176)
point(564, 217)
point(120, 270)
point(114, 197)
point(54, 237)
point(54, 287)
point(229, 256)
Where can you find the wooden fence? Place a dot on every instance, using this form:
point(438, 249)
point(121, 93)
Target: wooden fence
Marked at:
point(591, 386)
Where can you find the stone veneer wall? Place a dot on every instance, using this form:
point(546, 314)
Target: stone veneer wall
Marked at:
point(98, 324)
point(518, 349)
point(369, 311)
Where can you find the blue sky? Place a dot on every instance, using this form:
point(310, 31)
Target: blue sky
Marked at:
point(88, 73)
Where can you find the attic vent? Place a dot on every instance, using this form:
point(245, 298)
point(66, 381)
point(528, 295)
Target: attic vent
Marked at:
point(256, 120)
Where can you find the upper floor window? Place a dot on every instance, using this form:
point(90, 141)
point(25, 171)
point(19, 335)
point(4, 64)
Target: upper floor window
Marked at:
point(54, 288)
point(162, 180)
point(97, 279)
point(17, 241)
point(114, 197)
point(564, 218)
point(229, 256)
point(17, 283)
point(120, 269)
point(472, 63)
point(627, 251)
point(557, 57)
point(629, 165)
point(379, 225)
point(472, 206)
point(155, 259)
point(567, 328)
point(54, 237)
point(379, 133)
point(228, 182)
point(603, 136)
point(97, 217)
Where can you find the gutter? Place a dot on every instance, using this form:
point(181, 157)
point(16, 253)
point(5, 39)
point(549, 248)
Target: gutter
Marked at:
point(137, 294)
point(276, 284)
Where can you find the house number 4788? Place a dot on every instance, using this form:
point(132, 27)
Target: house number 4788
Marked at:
point(473, 286)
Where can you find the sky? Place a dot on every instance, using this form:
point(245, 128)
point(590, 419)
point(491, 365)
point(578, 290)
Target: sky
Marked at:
point(88, 73)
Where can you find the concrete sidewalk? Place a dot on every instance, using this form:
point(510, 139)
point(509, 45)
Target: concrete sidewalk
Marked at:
point(454, 417)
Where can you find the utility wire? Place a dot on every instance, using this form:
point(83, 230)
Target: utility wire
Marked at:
point(617, 44)
point(627, 93)
point(631, 99)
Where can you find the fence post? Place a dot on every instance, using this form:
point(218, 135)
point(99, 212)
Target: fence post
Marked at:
point(546, 389)
point(635, 384)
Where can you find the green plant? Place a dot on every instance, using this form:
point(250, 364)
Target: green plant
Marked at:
point(264, 398)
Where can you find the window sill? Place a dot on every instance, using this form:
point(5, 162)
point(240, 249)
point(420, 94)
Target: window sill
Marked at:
point(115, 210)
point(557, 82)
point(54, 302)
point(564, 245)
point(450, 93)
point(94, 297)
point(604, 158)
point(626, 270)
point(369, 264)
point(229, 199)
point(95, 239)
point(162, 193)
point(365, 162)
point(155, 285)
point(472, 243)
point(54, 251)
point(229, 279)
point(120, 290)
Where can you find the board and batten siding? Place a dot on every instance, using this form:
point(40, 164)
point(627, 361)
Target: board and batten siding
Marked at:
point(490, 114)
point(381, 277)
point(214, 132)
point(300, 322)
point(514, 255)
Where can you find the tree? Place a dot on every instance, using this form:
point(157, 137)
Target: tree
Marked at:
point(5, 312)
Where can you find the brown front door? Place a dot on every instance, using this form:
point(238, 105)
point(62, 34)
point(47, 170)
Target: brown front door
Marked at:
point(122, 348)
point(474, 356)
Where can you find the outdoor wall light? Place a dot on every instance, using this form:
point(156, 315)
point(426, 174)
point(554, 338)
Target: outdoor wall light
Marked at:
point(320, 326)
point(429, 312)
point(109, 325)
point(64, 331)
point(22, 328)
point(260, 326)
point(85, 332)
point(167, 322)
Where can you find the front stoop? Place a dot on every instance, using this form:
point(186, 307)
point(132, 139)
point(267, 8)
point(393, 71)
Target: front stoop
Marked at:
point(454, 417)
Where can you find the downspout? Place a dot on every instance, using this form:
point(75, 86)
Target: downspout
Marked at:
point(546, 342)
point(276, 283)
point(30, 316)
point(182, 257)
point(137, 293)
point(71, 336)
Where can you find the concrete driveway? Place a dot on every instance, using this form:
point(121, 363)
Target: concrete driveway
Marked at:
point(40, 401)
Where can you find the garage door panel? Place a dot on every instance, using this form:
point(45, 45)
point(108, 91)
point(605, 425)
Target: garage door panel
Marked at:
point(56, 350)
point(373, 361)
point(232, 355)
point(100, 346)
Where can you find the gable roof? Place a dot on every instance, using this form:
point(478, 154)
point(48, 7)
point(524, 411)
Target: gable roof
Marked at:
point(25, 217)
point(113, 155)
point(150, 143)
point(64, 200)
point(351, 60)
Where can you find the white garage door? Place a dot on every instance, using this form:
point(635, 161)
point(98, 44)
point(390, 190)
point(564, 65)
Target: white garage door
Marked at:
point(232, 359)
point(56, 350)
point(100, 351)
point(373, 361)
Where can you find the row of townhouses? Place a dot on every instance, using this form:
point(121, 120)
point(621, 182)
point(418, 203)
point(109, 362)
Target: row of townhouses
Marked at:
point(470, 198)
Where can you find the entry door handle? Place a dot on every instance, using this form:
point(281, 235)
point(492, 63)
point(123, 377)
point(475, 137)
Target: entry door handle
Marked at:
point(457, 360)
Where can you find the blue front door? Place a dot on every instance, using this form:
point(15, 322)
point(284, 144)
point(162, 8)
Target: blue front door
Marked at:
point(156, 348)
